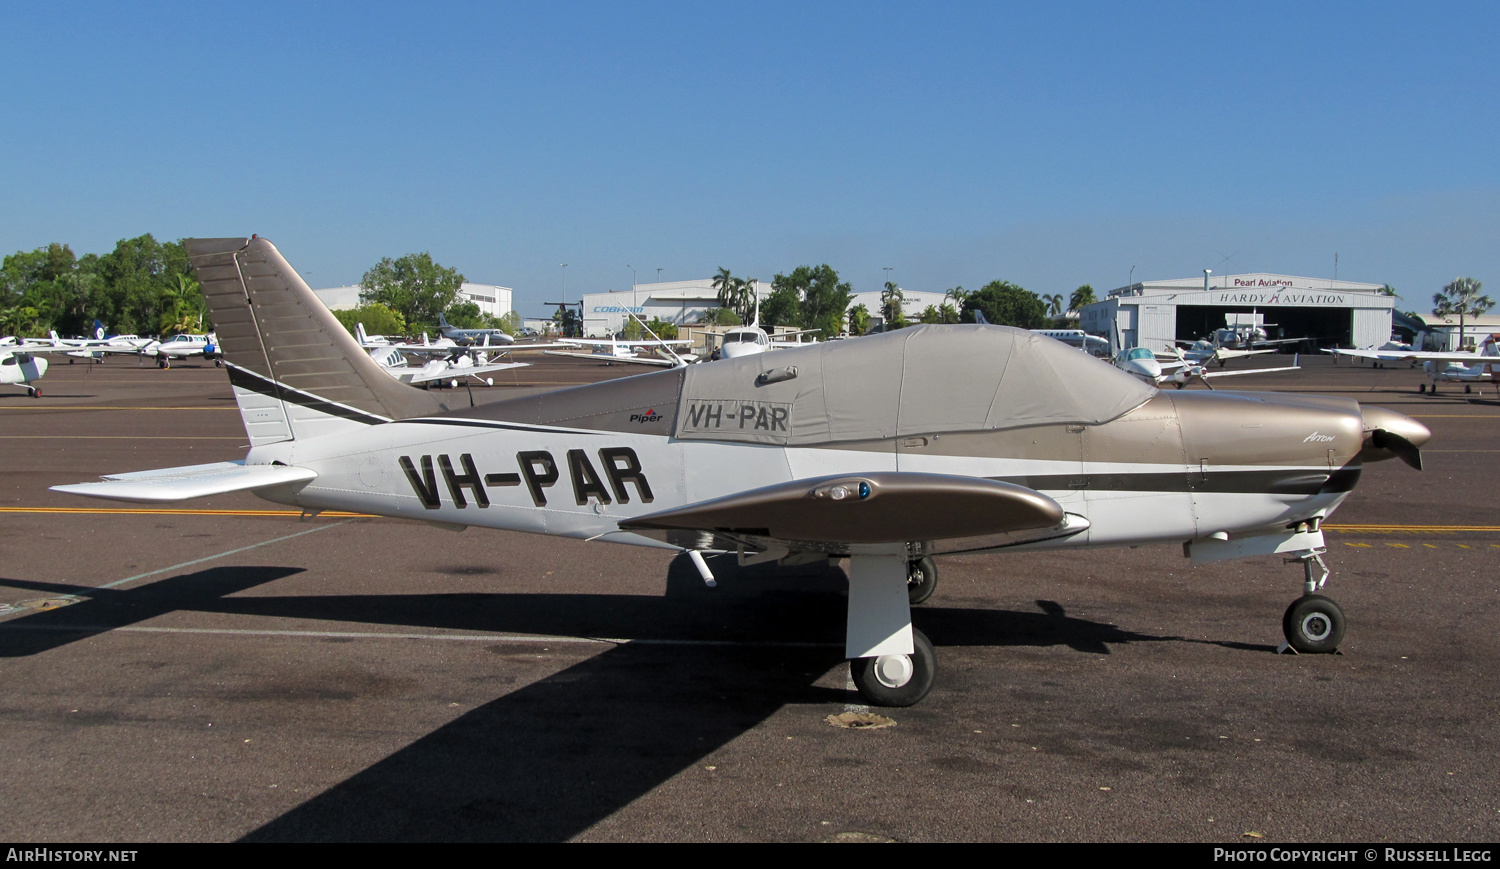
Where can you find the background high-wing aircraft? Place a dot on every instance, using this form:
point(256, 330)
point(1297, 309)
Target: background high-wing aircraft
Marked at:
point(625, 350)
point(1204, 352)
point(1442, 367)
point(20, 364)
point(102, 344)
point(24, 362)
point(886, 450)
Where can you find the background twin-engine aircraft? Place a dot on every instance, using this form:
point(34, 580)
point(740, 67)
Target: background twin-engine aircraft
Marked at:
point(886, 450)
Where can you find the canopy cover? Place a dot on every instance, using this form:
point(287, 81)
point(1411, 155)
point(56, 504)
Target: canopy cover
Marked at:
point(923, 380)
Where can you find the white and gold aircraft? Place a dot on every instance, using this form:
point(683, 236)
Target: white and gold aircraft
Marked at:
point(886, 450)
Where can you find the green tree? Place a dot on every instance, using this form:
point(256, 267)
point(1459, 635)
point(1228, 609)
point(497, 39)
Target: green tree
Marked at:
point(509, 323)
point(859, 320)
point(1386, 290)
point(662, 329)
point(1054, 303)
point(466, 315)
point(721, 317)
point(1460, 298)
point(811, 297)
point(783, 307)
point(413, 286)
point(957, 295)
point(378, 319)
point(1082, 296)
point(138, 283)
point(1006, 304)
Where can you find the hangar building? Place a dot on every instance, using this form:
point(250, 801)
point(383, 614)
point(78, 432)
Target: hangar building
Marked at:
point(1328, 313)
point(492, 300)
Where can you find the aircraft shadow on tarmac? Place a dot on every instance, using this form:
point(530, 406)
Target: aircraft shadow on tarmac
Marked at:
point(548, 761)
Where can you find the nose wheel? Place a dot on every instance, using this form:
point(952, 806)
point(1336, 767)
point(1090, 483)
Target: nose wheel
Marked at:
point(1313, 624)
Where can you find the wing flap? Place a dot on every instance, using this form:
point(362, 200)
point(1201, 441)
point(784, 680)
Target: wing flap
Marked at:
point(191, 481)
point(831, 513)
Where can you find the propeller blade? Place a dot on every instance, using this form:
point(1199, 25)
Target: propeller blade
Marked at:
point(1402, 448)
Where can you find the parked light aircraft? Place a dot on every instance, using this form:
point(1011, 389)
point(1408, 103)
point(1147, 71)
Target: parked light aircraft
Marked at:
point(24, 362)
point(449, 369)
point(102, 344)
point(1091, 344)
point(469, 336)
point(1142, 363)
point(870, 449)
point(22, 366)
point(752, 339)
point(184, 347)
point(624, 350)
point(1442, 367)
point(1204, 352)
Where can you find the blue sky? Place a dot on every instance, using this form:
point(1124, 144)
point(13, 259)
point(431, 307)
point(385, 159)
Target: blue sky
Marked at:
point(1051, 145)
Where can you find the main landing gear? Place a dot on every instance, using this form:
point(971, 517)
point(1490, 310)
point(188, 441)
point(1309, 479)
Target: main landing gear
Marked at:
point(33, 392)
point(1313, 624)
point(921, 580)
point(896, 680)
point(890, 662)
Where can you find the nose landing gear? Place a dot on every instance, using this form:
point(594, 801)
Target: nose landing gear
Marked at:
point(1313, 624)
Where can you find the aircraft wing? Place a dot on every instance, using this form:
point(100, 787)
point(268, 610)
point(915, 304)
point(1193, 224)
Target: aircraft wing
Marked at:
point(64, 348)
point(832, 514)
point(616, 342)
point(1249, 371)
point(191, 481)
point(1418, 356)
point(604, 357)
point(453, 373)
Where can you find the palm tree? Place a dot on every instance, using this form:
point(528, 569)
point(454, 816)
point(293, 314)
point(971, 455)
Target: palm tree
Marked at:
point(1054, 304)
point(736, 294)
point(890, 306)
point(1082, 296)
point(1461, 298)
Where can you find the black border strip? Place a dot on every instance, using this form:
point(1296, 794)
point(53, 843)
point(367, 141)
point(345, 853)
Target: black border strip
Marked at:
point(246, 379)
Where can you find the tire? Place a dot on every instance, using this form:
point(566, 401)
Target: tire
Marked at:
point(867, 674)
point(1313, 625)
point(921, 580)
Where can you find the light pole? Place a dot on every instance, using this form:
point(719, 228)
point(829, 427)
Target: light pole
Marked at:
point(888, 270)
point(658, 276)
point(632, 276)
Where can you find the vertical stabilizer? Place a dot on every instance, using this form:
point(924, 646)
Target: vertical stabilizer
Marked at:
point(296, 371)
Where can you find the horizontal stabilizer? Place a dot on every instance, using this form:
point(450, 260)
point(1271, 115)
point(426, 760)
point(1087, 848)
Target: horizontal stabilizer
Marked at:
point(191, 481)
point(831, 513)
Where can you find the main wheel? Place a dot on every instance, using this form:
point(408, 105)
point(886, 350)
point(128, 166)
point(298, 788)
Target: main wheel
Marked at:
point(1313, 624)
point(34, 391)
point(897, 680)
point(921, 579)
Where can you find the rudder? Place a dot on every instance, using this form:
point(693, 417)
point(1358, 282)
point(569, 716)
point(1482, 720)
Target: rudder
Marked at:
point(296, 371)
